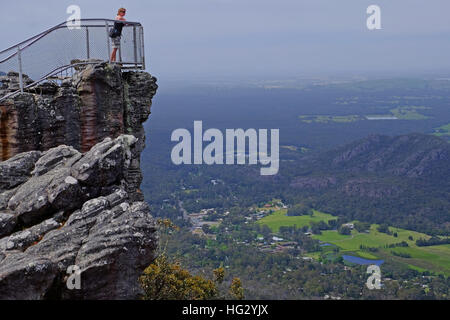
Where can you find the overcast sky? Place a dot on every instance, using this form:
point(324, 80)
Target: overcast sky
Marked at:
point(260, 38)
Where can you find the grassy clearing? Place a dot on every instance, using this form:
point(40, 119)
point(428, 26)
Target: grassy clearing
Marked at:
point(279, 219)
point(442, 130)
point(292, 148)
point(404, 113)
point(433, 258)
point(329, 118)
point(373, 238)
point(189, 191)
point(366, 255)
point(398, 113)
point(409, 112)
point(416, 268)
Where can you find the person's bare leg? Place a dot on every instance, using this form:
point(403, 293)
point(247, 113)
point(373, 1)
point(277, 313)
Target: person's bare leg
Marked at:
point(113, 55)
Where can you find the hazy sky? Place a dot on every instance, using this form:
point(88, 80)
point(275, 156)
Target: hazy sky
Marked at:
point(261, 38)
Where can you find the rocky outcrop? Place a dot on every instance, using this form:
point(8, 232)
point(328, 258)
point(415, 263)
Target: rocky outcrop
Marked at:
point(10, 82)
point(73, 209)
point(69, 187)
point(99, 101)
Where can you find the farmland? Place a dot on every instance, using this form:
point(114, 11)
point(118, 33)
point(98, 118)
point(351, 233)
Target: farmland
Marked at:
point(382, 245)
point(433, 258)
point(443, 130)
point(398, 113)
point(279, 219)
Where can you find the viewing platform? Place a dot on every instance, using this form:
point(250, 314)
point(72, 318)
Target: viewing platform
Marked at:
point(54, 55)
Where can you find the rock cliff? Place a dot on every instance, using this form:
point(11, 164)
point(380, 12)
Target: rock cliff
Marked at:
point(69, 186)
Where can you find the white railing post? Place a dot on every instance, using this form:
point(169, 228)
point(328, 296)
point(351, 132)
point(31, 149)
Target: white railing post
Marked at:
point(120, 53)
point(88, 54)
point(19, 57)
point(107, 41)
point(142, 47)
point(135, 46)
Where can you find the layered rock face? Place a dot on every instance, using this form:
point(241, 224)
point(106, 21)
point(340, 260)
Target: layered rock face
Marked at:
point(69, 189)
point(99, 101)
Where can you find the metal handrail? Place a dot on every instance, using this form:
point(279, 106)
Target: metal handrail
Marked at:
point(64, 25)
point(48, 75)
point(84, 23)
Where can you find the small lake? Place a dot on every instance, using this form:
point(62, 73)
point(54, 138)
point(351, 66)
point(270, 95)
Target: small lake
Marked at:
point(325, 244)
point(362, 261)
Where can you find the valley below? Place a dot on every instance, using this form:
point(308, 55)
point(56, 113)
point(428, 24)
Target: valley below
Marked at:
point(362, 181)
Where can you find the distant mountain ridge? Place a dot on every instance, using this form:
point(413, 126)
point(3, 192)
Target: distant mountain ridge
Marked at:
point(401, 180)
point(412, 155)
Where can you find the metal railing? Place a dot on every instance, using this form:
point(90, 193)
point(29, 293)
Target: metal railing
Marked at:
point(60, 49)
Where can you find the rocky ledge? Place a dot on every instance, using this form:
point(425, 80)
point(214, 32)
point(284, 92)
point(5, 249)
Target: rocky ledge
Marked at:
point(73, 199)
point(99, 101)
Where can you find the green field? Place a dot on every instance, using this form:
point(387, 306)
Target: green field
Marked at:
point(400, 113)
point(405, 113)
point(189, 191)
point(279, 219)
point(409, 112)
point(292, 148)
point(326, 118)
point(442, 130)
point(369, 239)
point(433, 258)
